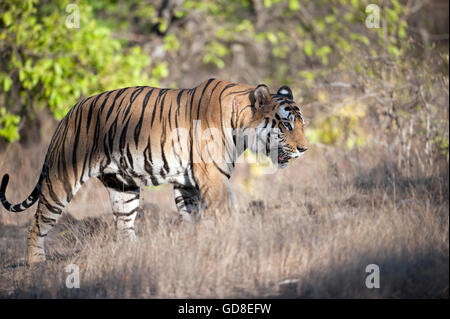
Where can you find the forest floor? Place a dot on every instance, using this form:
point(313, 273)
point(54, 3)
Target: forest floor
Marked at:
point(308, 231)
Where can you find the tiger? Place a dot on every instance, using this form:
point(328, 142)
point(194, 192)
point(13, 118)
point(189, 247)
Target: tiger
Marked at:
point(143, 136)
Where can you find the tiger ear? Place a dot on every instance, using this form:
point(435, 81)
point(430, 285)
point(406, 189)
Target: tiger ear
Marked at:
point(285, 91)
point(261, 96)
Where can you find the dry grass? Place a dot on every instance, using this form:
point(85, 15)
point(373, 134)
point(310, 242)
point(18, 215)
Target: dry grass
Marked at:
point(319, 222)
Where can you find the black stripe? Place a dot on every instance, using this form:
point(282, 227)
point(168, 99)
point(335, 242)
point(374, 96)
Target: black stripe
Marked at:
point(163, 142)
point(162, 93)
point(137, 130)
point(132, 199)
point(201, 96)
point(96, 138)
point(89, 117)
point(162, 105)
point(111, 108)
point(170, 111)
point(133, 97)
point(78, 119)
point(148, 165)
point(123, 136)
point(129, 156)
point(179, 100)
point(191, 103)
point(220, 116)
point(126, 214)
point(154, 106)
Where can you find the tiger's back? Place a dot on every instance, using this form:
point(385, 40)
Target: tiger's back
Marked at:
point(133, 130)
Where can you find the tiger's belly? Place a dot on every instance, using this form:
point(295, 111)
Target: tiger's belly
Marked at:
point(158, 171)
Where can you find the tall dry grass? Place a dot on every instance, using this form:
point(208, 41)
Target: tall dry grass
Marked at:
point(318, 223)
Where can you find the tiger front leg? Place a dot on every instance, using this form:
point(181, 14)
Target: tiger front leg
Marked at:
point(212, 194)
point(215, 191)
point(187, 200)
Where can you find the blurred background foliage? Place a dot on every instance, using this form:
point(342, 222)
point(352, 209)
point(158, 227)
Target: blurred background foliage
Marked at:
point(358, 86)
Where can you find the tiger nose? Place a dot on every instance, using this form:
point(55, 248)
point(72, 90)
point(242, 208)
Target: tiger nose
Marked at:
point(302, 149)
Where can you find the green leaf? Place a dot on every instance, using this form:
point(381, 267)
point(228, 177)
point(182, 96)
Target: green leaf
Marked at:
point(7, 18)
point(7, 82)
point(272, 38)
point(330, 19)
point(294, 5)
point(9, 123)
point(267, 3)
point(308, 48)
point(179, 14)
point(401, 32)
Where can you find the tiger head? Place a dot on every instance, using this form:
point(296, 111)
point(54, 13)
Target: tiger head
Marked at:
point(278, 114)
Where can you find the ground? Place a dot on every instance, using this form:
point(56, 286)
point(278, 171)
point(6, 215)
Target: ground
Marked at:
point(309, 231)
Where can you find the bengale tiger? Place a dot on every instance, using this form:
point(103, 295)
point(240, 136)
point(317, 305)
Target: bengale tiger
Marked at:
point(137, 136)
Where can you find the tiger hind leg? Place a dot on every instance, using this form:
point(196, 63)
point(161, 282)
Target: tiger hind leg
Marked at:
point(125, 205)
point(46, 216)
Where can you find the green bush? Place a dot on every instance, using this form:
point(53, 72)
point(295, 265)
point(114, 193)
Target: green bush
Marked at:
point(46, 64)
